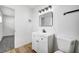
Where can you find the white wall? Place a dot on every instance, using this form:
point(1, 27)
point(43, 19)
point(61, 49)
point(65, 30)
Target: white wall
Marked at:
point(23, 28)
point(66, 25)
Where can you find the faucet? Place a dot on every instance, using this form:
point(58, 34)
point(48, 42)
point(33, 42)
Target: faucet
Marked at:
point(44, 31)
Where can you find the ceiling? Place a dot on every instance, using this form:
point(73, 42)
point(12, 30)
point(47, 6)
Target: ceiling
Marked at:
point(29, 6)
point(33, 6)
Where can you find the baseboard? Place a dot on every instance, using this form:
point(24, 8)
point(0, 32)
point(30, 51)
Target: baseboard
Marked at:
point(23, 44)
point(7, 35)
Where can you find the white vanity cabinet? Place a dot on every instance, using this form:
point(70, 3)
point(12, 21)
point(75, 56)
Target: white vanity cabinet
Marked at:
point(42, 42)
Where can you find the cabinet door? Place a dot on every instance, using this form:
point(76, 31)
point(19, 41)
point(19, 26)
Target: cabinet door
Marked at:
point(35, 42)
point(43, 45)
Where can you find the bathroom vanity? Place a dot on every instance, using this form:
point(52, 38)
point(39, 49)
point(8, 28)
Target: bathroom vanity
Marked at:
point(42, 42)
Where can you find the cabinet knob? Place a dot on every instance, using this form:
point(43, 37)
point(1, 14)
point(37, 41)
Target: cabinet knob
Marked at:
point(41, 38)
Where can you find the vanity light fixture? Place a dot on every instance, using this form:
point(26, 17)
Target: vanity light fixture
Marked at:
point(43, 10)
point(50, 6)
point(39, 11)
point(46, 8)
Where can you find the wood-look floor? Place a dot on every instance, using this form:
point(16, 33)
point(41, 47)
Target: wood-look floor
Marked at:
point(24, 49)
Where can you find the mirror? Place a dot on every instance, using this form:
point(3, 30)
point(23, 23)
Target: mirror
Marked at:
point(46, 19)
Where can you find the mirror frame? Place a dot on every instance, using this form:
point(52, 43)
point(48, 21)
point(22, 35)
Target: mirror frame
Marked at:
point(51, 20)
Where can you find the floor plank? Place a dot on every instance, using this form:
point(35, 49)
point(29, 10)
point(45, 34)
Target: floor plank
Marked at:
point(24, 49)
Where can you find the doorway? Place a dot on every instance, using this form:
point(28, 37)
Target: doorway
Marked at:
point(8, 29)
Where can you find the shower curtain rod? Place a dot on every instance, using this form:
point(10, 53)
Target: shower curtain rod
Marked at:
point(71, 11)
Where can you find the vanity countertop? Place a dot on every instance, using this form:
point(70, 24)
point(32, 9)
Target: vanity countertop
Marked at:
point(41, 33)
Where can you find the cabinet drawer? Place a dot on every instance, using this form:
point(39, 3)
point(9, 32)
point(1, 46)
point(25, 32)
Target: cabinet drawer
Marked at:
point(43, 37)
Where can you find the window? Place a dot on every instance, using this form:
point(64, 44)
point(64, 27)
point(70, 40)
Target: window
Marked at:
point(0, 19)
